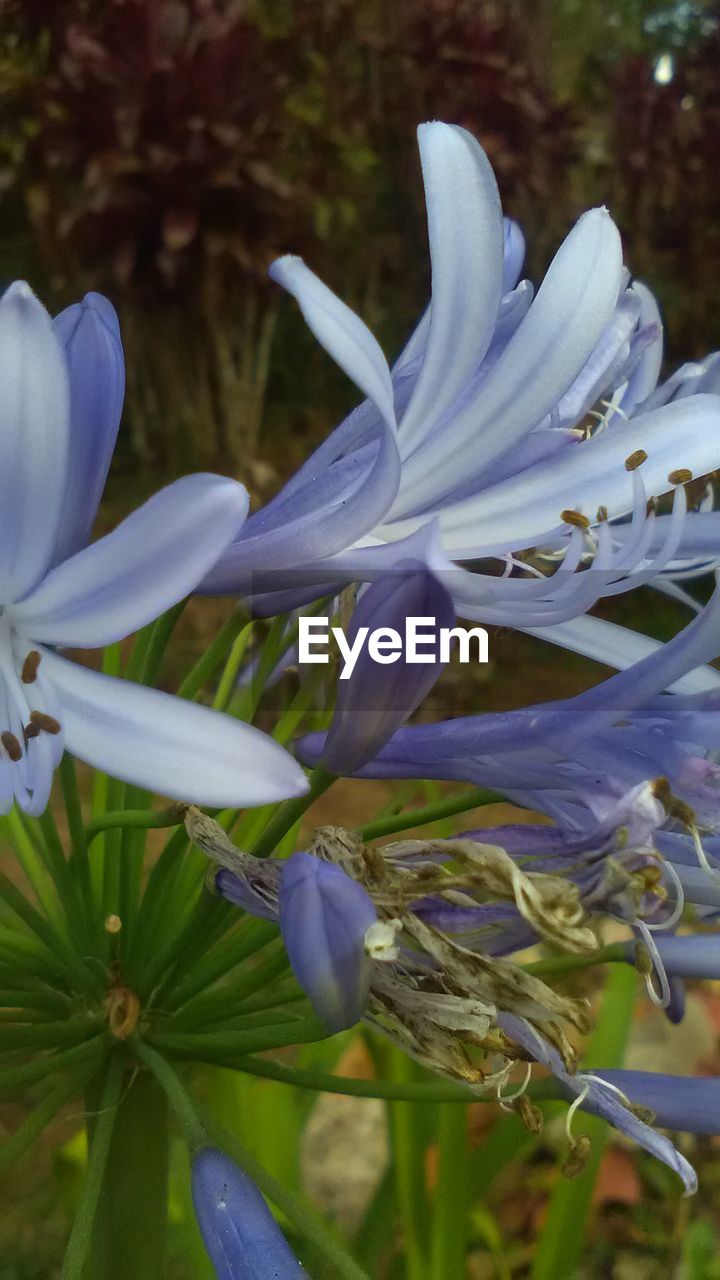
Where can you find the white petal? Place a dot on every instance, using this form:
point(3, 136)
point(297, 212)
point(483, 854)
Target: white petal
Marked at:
point(34, 434)
point(465, 228)
point(128, 578)
point(524, 509)
point(167, 745)
point(619, 647)
point(340, 331)
point(540, 362)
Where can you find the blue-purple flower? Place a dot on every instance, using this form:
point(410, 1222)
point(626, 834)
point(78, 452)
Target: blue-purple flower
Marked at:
point(240, 1233)
point(484, 423)
point(61, 390)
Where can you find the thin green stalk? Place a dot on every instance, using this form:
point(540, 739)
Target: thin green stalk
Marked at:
point(212, 658)
point(554, 965)
point(12, 1079)
point(78, 1249)
point(214, 1003)
point(288, 813)
point(462, 803)
point(228, 952)
point(207, 1046)
point(79, 863)
point(160, 632)
point(111, 666)
point(278, 640)
point(145, 819)
point(49, 1035)
point(55, 943)
point(392, 1090)
point(34, 866)
point(149, 930)
point(559, 1249)
point(229, 675)
point(198, 1134)
point(408, 1165)
point(449, 1224)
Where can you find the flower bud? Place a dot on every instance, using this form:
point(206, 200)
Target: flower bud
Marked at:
point(240, 1233)
point(324, 916)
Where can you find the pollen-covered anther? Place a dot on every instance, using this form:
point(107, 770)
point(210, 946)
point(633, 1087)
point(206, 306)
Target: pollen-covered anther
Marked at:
point(575, 518)
point(30, 731)
point(635, 460)
point(11, 745)
point(602, 514)
point(28, 675)
point(643, 959)
point(577, 1156)
point(44, 722)
point(682, 476)
point(529, 1114)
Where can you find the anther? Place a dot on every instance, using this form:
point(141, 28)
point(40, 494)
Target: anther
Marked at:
point(529, 1114)
point(577, 1156)
point(635, 460)
point(575, 518)
point(113, 924)
point(30, 666)
point(45, 722)
point(643, 959)
point(602, 514)
point(11, 745)
point(681, 476)
point(650, 506)
point(31, 731)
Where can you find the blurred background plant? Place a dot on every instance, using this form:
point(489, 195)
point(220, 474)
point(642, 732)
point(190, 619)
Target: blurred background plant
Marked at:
point(164, 151)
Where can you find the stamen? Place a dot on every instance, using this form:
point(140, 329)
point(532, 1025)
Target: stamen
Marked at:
point(602, 514)
point(679, 907)
point(45, 722)
point(506, 1098)
point(30, 666)
point(11, 745)
point(681, 476)
point(700, 852)
point(30, 731)
point(575, 518)
point(578, 1156)
point(529, 1114)
point(635, 460)
point(572, 1109)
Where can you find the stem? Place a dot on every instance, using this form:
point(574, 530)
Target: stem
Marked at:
point(79, 863)
point(79, 1244)
point(560, 1246)
point(450, 1209)
point(288, 813)
point(206, 1046)
point(146, 819)
point(207, 665)
point(474, 799)
point(569, 964)
point(130, 1237)
point(14, 1147)
point(393, 1090)
point(408, 1165)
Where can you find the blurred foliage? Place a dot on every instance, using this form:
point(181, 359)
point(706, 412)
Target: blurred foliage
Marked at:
point(165, 151)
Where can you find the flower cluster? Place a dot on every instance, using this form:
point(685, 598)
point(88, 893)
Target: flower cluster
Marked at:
point(519, 461)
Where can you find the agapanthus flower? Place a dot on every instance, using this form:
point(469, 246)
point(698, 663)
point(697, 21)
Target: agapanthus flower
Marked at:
point(61, 391)
point(240, 1233)
point(485, 424)
point(462, 1011)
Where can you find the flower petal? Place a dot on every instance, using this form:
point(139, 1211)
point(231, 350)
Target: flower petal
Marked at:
point(546, 353)
point(89, 334)
point(324, 916)
point(166, 744)
point(340, 331)
point(34, 433)
point(525, 509)
point(154, 558)
point(465, 228)
point(242, 1238)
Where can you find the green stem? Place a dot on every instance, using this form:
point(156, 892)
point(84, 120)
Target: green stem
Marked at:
point(393, 1090)
point(13, 1079)
point(212, 1004)
point(146, 819)
point(210, 1045)
point(228, 678)
point(449, 1229)
point(560, 1246)
point(78, 1249)
point(554, 965)
point(474, 799)
point(130, 1237)
point(288, 813)
point(79, 863)
point(45, 1110)
point(408, 1166)
point(207, 665)
point(177, 1096)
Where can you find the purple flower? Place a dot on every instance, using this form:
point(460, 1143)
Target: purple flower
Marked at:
point(481, 423)
point(240, 1233)
point(324, 917)
point(61, 391)
point(385, 688)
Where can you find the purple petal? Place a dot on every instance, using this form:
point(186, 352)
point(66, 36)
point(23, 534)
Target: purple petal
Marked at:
point(324, 916)
point(240, 1233)
point(89, 334)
